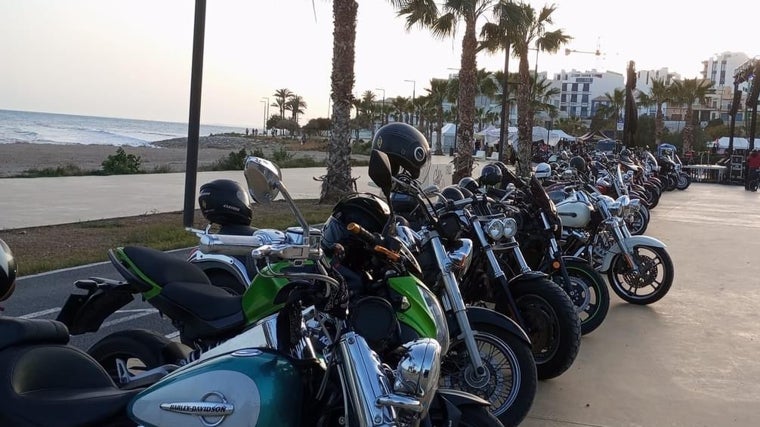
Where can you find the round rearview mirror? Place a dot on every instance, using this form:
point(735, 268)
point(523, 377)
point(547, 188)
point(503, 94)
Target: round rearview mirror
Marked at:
point(263, 178)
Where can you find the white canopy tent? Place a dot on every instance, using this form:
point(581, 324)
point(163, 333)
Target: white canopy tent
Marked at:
point(448, 135)
point(739, 143)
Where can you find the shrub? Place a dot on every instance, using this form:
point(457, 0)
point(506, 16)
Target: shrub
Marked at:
point(233, 161)
point(121, 163)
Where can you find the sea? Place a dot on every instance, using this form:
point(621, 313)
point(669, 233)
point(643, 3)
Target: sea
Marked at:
point(53, 128)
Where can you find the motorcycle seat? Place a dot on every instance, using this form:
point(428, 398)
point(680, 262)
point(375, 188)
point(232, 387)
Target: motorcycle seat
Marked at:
point(57, 385)
point(15, 331)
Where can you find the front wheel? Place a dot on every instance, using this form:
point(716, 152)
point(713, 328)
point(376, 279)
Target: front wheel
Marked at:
point(509, 383)
point(588, 292)
point(684, 180)
point(128, 353)
point(551, 322)
point(647, 285)
point(638, 221)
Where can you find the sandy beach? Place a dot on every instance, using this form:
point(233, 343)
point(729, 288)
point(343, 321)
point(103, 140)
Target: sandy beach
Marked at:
point(19, 157)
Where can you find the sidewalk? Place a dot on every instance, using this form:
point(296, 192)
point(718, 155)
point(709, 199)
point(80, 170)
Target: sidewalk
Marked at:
point(33, 202)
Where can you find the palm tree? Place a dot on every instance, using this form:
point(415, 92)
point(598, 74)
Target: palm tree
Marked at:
point(612, 108)
point(520, 26)
point(399, 107)
point(658, 95)
point(338, 182)
point(281, 97)
point(688, 92)
point(296, 106)
point(438, 92)
point(443, 23)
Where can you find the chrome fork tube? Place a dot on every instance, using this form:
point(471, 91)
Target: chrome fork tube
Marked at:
point(364, 382)
point(451, 284)
point(620, 239)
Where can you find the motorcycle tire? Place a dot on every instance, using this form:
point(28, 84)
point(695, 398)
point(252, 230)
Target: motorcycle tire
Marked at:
point(638, 222)
point(672, 183)
point(508, 358)
point(588, 292)
point(139, 349)
point(684, 181)
point(627, 285)
point(551, 322)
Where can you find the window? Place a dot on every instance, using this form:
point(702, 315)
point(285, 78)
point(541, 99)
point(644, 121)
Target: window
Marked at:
point(563, 98)
point(584, 98)
point(573, 98)
point(575, 87)
point(584, 111)
point(564, 87)
point(587, 87)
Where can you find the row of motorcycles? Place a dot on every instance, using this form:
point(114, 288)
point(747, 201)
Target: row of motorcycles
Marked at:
point(424, 307)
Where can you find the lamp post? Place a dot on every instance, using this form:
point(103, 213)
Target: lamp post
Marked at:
point(414, 108)
point(382, 108)
point(266, 112)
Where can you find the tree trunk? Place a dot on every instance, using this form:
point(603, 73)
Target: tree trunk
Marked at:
point(659, 125)
point(524, 121)
point(688, 131)
point(438, 136)
point(338, 183)
point(466, 102)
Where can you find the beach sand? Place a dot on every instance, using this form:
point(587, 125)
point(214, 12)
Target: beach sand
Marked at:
point(20, 157)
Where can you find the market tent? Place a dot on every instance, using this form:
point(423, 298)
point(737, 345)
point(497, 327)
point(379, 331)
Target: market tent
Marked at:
point(557, 135)
point(448, 135)
point(491, 135)
point(739, 143)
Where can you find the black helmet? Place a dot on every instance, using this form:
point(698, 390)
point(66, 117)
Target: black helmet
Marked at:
point(365, 209)
point(578, 164)
point(405, 146)
point(490, 175)
point(7, 271)
point(225, 202)
point(469, 184)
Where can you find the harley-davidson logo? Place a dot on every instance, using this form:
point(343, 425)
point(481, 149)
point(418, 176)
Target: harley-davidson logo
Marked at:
point(211, 413)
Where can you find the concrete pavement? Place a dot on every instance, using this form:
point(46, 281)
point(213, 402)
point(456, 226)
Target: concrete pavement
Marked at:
point(690, 359)
point(32, 202)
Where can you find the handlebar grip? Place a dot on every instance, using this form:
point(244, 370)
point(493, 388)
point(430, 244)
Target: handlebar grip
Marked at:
point(362, 233)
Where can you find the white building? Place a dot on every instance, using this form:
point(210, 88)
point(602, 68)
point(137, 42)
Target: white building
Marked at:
point(720, 69)
point(580, 89)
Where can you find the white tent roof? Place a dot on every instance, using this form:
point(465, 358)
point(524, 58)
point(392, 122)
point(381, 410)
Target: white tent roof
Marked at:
point(557, 135)
point(448, 129)
point(739, 143)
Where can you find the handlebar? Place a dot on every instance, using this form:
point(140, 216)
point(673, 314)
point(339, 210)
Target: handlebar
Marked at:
point(228, 244)
point(372, 240)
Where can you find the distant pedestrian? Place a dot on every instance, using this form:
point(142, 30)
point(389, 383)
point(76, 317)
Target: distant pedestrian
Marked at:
point(753, 166)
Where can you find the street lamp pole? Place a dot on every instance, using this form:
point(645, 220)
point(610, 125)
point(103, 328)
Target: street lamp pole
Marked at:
point(382, 108)
point(414, 107)
point(265, 100)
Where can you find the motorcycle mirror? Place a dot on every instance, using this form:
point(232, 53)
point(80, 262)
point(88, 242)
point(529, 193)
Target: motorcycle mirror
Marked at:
point(263, 178)
point(380, 171)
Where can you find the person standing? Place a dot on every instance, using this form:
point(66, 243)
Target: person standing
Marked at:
point(753, 166)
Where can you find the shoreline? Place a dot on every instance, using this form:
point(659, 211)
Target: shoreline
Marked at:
point(18, 157)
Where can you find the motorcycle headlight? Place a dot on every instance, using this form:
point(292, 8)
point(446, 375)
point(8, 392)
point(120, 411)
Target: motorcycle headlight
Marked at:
point(436, 310)
point(418, 371)
point(510, 227)
point(495, 229)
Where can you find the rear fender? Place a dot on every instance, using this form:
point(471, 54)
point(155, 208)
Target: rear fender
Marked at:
point(85, 313)
point(630, 243)
point(568, 258)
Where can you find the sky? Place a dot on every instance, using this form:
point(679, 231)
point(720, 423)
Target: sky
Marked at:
point(132, 58)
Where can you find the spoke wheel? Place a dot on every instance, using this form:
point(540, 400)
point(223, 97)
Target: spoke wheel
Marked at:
point(647, 285)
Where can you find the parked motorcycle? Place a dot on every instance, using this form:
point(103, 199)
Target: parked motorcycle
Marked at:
point(210, 318)
point(280, 381)
point(538, 232)
point(639, 268)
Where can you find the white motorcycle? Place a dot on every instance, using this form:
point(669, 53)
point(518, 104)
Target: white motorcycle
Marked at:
point(638, 268)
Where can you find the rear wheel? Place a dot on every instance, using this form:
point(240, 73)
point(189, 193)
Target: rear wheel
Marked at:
point(684, 180)
point(509, 383)
point(647, 285)
point(126, 354)
point(588, 292)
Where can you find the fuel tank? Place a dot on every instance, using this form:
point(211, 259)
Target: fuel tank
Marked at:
point(574, 213)
point(244, 388)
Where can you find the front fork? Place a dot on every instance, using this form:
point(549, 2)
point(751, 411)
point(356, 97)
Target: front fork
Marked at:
point(453, 301)
point(620, 236)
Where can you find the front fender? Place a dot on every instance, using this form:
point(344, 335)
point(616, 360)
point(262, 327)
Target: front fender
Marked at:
point(568, 258)
point(630, 243)
point(491, 317)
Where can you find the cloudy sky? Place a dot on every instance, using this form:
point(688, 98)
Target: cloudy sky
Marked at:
point(132, 59)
